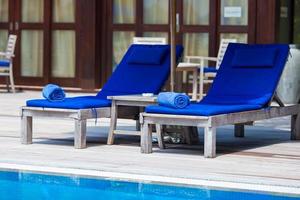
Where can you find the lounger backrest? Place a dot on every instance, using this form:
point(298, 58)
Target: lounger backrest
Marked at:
point(143, 69)
point(222, 49)
point(249, 74)
point(11, 44)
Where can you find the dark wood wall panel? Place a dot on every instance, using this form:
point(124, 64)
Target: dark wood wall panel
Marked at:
point(101, 42)
point(86, 43)
point(266, 21)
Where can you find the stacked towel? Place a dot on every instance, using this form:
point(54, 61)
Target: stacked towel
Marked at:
point(53, 92)
point(173, 100)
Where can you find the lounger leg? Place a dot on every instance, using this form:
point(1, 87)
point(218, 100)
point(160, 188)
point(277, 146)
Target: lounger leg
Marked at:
point(190, 135)
point(137, 125)
point(201, 82)
point(187, 135)
point(26, 132)
point(195, 84)
point(137, 122)
point(7, 83)
point(11, 78)
point(295, 127)
point(146, 138)
point(210, 142)
point(195, 135)
point(239, 130)
point(80, 134)
point(113, 123)
point(160, 137)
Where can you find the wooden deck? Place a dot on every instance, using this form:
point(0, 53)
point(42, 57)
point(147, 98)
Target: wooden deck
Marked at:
point(265, 156)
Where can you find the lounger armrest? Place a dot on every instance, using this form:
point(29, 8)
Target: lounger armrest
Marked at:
point(201, 58)
point(7, 54)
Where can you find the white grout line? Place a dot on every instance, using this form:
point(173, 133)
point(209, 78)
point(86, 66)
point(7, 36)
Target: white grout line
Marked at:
point(155, 179)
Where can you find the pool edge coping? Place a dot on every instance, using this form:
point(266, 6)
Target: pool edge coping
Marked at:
point(188, 182)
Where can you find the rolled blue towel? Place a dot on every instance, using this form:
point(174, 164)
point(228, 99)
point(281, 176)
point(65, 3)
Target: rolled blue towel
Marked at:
point(173, 100)
point(53, 92)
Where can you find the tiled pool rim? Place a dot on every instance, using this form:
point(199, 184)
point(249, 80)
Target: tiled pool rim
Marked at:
point(223, 185)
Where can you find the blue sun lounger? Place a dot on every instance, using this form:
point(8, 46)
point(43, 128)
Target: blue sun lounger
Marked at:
point(143, 69)
point(241, 93)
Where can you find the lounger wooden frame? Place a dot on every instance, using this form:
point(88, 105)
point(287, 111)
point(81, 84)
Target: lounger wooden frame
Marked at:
point(80, 116)
point(210, 124)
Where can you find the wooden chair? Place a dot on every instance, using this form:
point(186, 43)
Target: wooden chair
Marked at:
point(207, 74)
point(150, 40)
point(6, 64)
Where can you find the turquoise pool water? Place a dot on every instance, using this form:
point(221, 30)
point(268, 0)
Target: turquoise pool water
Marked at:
point(27, 186)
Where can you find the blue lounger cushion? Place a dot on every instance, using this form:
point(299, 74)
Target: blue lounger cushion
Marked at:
point(242, 99)
point(237, 89)
point(82, 102)
point(254, 57)
point(126, 79)
point(201, 109)
point(137, 79)
point(173, 100)
point(247, 85)
point(4, 63)
point(151, 55)
point(53, 92)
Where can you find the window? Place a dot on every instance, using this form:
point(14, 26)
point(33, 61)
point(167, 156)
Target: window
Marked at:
point(196, 12)
point(63, 49)
point(296, 39)
point(156, 11)
point(124, 11)
point(234, 12)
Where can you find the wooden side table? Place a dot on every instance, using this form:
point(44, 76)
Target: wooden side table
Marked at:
point(194, 68)
point(134, 101)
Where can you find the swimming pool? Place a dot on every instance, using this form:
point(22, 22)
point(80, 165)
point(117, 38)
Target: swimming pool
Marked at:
point(25, 186)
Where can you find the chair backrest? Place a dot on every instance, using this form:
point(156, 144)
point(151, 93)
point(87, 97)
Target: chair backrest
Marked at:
point(140, 77)
point(149, 40)
point(222, 49)
point(249, 74)
point(11, 44)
